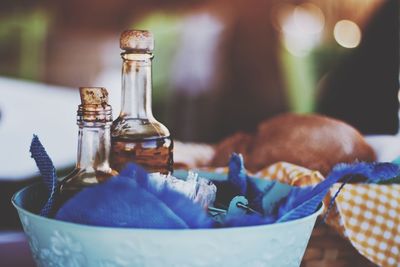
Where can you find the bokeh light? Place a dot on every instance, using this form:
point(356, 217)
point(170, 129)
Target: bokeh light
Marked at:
point(309, 18)
point(301, 26)
point(347, 33)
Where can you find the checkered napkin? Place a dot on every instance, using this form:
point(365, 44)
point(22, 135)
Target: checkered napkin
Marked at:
point(368, 215)
point(290, 174)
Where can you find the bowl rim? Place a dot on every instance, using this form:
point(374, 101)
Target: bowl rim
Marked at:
point(126, 229)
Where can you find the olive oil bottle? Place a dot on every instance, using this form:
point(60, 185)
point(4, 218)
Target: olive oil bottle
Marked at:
point(94, 119)
point(136, 135)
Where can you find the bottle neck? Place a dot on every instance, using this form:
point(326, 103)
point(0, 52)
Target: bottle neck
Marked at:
point(94, 148)
point(136, 86)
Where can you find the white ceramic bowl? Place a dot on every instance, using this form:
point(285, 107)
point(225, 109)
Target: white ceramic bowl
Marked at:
point(57, 243)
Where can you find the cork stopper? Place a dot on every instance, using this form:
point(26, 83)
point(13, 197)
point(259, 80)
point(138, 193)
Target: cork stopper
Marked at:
point(93, 96)
point(139, 40)
point(94, 107)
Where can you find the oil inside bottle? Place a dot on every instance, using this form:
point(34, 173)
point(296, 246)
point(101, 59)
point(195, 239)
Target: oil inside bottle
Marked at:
point(136, 135)
point(153, 154)
point(94, 118)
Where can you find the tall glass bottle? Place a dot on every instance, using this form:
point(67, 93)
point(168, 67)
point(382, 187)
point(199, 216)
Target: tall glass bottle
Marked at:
point(94, 119)
point(136, 135)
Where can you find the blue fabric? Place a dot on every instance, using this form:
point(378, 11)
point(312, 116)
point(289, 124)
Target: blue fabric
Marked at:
point(303, 201)
point(293, 209)
point(48, 173)
point(239, 183)
point(129, 200)
point(300, 201)
point(256, 190)
point(237, 174)
point(374, 172)
point(382, 172)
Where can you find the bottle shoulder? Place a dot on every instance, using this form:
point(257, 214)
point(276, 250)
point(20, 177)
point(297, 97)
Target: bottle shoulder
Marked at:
point(135, 128)
point(81, 178)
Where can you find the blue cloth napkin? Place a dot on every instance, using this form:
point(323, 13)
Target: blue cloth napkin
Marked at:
point(48, 172)
point(291, 202)
point(294, 202)
point(129, 200)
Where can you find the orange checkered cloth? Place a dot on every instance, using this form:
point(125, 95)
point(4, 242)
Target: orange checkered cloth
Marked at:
point(368, 215)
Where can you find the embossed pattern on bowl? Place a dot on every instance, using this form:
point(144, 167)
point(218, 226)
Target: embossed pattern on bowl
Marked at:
point(57, 243)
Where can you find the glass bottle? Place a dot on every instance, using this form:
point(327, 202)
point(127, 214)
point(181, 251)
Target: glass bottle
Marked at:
point(94, 118)
point(136, 135)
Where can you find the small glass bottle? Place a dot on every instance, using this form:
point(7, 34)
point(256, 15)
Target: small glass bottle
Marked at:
point(136, 135)
point(94, 118)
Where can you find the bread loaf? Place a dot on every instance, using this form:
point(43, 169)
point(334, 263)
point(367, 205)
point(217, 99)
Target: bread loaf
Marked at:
point(312, 141)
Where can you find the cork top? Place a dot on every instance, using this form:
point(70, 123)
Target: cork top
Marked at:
point(93, 95)
point(94, 107)
point(137, 40)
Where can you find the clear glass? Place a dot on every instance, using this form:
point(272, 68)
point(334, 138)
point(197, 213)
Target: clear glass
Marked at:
point(92, 166)
point(136, 135)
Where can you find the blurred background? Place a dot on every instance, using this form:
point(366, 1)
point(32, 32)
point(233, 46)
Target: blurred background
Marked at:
point(220, 66)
